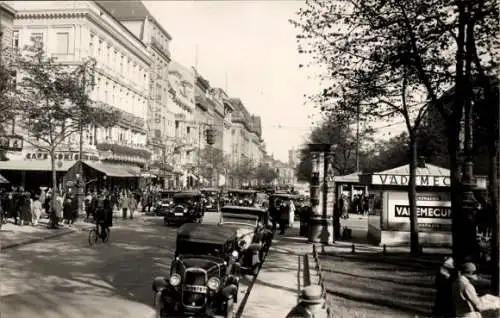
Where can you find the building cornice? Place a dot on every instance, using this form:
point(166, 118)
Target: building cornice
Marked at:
point(7, 8)
point(159, 50)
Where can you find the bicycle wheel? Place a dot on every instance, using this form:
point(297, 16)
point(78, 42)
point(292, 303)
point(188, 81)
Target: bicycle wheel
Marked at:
point(93, 237)
point(105, 237)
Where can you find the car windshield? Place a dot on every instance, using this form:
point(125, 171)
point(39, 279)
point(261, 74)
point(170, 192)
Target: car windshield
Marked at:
point(246, 219)
point(185, 201)
point(199, 248)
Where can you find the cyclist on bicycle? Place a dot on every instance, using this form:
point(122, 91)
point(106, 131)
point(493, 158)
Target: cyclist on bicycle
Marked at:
point(101, 219)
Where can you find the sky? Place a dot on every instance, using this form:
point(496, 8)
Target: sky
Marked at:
point(249, 49)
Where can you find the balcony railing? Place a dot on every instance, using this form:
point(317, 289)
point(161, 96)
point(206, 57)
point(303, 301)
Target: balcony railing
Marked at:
point(160, 47)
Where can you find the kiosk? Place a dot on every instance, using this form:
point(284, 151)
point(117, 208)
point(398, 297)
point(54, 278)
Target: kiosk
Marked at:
point(389, 223)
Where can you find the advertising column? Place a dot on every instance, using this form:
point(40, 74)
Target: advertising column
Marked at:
point(321, 222)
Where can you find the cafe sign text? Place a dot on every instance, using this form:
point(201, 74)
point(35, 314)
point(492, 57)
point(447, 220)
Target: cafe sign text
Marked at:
point(403, 180)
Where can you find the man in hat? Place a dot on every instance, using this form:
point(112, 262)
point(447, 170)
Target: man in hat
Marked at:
point(444, 305)
point(310, 302)
point(467, 302)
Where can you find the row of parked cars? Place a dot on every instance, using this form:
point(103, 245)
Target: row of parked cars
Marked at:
point(209, 261)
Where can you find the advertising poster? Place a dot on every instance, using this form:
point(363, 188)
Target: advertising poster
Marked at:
point(433, 211)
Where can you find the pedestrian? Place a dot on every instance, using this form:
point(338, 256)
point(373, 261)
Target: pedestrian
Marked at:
point(444, 304)
point(58, 208)
point(67, 210)
point(25, 208)
point(284, 215)
point(41, 198)
point(310, 303)
point(36, 209)
point(108, 210)
point(73, 210)
point(466, 301)
point(132, 206)
point(124, 204)
point(291, 219)
point(10, 207)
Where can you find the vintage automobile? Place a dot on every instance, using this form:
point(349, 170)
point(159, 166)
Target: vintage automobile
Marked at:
point(254, 237)
point(164, 202)
point(204, 275)
point(211, 197)
point(186, 208)
point(240, 197)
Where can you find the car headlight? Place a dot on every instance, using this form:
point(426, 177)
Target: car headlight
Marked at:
point(185, 210)
point(175, 280)
point(243, 244)
point(213, 283)
point(235, 254)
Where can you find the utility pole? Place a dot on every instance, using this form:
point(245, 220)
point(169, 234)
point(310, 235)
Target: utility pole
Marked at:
point(357, 138)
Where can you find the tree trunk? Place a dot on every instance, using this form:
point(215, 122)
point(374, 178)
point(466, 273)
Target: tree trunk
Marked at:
point(494, 189)
point(54, 184)
point(455, 187)
point(412, 197)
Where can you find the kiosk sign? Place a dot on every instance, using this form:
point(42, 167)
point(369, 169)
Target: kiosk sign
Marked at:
point(403, 180)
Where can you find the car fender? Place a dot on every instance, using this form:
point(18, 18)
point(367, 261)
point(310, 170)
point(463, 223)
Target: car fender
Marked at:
point(159, 283)
point(229, 291)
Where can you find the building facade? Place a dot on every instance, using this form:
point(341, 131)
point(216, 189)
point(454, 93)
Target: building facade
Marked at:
point(181, 149)
point(71, 32)
point(160, 119)
point(7, 14)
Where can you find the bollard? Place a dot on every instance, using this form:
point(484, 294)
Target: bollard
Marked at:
point(384, 251)
point(353, 249)
point(322, 249)
point(314, 250)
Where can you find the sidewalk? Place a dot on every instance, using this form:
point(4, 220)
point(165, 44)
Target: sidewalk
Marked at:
point(275, 290)
point(12, 235)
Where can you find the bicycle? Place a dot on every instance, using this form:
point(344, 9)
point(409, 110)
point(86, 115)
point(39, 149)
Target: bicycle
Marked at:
point(95, 235)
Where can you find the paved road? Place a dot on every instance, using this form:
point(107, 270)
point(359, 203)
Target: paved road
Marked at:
point(64, 277)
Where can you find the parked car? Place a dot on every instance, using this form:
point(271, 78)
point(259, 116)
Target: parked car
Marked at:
point(204, 275)
point(254, 235)
point(164, 202)
point(187, 207)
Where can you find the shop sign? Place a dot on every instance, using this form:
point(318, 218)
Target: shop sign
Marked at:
point(403, 180)
point(431, 212)
point(11, 142)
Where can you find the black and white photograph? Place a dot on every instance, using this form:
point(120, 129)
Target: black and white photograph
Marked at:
point(249, 158)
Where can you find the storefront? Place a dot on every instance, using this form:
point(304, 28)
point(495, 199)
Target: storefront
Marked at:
point(389, 222)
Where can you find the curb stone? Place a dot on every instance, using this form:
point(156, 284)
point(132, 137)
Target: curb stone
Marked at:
point(37, 239)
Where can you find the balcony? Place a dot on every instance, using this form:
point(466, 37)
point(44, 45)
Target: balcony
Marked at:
point(123, 151)
point(160, 48)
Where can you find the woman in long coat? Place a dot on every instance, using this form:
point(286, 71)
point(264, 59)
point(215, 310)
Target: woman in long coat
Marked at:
point(67, 213)
point(10, 207)
point(26, 209)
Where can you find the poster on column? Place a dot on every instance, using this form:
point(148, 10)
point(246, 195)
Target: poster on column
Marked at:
point(433, 211)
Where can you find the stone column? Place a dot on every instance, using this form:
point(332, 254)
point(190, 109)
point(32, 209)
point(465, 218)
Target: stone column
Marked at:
point(321, 220)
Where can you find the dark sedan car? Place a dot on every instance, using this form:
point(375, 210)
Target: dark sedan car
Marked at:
point(186, 208)
point(204, 275)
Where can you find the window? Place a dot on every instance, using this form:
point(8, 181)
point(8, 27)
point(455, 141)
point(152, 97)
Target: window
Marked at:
point(37, 39)
point(188, 130)
point(15, 39)
point(62, 39)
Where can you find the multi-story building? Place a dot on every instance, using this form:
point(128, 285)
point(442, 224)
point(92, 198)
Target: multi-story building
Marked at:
point(181, 101)
point(7, 14)
point(72, 31)
point(160, 119)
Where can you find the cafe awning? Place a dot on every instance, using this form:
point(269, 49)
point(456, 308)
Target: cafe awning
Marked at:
point(34, 165)
point(110, 170)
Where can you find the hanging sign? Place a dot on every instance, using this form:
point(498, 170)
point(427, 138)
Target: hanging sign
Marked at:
point(11, 142)
point(403, 180)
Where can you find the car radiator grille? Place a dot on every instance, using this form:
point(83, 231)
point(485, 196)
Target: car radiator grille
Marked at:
point(194, 278)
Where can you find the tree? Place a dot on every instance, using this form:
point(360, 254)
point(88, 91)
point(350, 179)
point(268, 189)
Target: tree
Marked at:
point(243, 171)
point(211, 162)
point(265, 174)
point(415, 41)
point(54, 102)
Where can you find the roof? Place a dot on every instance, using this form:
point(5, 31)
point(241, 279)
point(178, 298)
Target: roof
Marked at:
point(35, 165)
point(131, 10)
point(3, 179)
point(186, 194)
point(241, 190)
point(242, 209)
point(350, 178)
point(208, 233)
point(429, 170)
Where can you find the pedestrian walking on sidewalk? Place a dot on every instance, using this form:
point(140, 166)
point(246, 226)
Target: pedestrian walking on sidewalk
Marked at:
point(444, 304)
point(67, 210)
point(132, 206)
point(25, 209)
point(36, 209)
point(124, 204)
point(310, 303)
point(73, 210)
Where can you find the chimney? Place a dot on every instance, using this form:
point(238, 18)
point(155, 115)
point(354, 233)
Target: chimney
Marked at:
point(421, 162)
